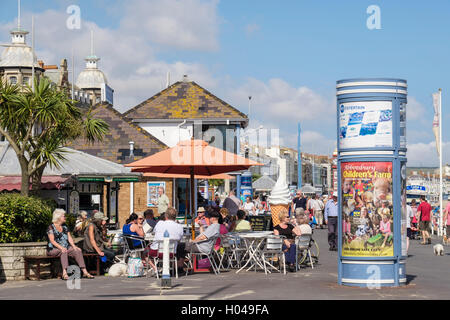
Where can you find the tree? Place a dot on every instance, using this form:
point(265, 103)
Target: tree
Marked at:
point(39, 124)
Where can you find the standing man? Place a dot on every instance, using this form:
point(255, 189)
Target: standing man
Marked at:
point(299, 201)
point(317, 207)
point(424, 210)
point(331, 219)
point(163, 202)
point(232, 203)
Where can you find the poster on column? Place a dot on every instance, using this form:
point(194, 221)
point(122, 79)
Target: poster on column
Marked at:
point(367, 215)
point(403, 209)
point(366, 124)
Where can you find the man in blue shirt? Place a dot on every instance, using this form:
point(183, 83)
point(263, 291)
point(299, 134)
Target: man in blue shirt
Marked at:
point(331, 219)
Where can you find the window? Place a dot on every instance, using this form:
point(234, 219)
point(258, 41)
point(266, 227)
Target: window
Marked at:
point(13, 80)
point(25, 80)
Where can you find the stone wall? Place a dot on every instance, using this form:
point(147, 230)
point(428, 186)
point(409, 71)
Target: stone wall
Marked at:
point(12, 262)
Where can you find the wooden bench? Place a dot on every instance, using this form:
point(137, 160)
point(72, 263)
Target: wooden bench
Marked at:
point(37, 259)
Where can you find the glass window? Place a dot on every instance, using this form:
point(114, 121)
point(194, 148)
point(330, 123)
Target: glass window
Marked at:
point(13, 80)
point(25, 80)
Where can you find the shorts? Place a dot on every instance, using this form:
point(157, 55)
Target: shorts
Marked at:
point(409, 233)
point(424, 225)
point(448, 231)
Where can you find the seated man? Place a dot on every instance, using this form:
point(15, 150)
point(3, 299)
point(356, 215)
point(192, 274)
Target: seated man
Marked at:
point(206, 240)
point(201, 219)
point(170, 225)
point(241, 224)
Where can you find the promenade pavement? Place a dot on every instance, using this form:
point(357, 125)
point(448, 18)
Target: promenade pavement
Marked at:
point(427, 279)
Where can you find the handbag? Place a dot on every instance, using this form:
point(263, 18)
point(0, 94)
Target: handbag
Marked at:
point(135, 268)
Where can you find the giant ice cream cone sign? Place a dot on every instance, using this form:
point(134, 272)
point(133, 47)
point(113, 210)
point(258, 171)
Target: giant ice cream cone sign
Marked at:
point(279, 198)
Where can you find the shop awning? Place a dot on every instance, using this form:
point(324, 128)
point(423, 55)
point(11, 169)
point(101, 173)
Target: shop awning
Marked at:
point(186, 176)
point(13, 183)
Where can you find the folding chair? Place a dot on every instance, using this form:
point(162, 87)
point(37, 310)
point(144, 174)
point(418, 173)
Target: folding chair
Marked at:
point(273, 247)
point(129, 249)
point(303, 247)
point(209, 255)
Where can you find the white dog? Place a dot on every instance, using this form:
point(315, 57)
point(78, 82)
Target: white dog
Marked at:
point(438, 249)
point(118, 269)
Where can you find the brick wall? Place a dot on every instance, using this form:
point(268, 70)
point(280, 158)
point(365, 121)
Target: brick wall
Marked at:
point(140, 197)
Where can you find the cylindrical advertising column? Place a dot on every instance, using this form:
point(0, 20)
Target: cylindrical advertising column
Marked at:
point(246, 185)
point(371, 118)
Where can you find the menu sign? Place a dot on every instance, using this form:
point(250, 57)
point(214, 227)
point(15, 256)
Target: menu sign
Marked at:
point(258, 223)
point(365, 124)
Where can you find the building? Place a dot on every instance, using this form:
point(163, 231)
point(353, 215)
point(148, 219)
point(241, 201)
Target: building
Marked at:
point(17, 60)
point(425, 181)
point(184, 110)
point(126, 142)
point(82, 182)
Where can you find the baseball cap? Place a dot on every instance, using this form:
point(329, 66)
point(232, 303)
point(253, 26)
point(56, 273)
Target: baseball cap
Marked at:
point(99, 215)
point(335, 194)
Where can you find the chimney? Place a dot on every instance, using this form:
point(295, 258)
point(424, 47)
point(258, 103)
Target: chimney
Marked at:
point(131, 149)
point(185, 78)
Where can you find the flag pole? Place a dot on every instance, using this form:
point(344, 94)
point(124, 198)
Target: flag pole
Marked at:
point(441, 229)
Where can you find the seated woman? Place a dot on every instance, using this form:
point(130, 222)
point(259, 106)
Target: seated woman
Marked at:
point(302, 221)
point(60, 244)
point(133, 226)
point(81, 224)
point(289, 231)
point(225, 214)
point(241, 224)
point(94, 242)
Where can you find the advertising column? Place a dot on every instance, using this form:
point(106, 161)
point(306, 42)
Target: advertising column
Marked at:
point(371, 118)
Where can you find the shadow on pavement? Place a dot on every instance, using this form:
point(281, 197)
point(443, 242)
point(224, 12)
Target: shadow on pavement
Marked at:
point(410, 278)
point(215, 291)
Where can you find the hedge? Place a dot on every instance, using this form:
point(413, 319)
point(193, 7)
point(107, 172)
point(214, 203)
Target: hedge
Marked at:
point(24, 219)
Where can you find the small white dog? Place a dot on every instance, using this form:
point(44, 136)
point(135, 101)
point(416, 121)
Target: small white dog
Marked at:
point(438, 249)
point(118, 270)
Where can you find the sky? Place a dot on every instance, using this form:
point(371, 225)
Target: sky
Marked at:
point(287, 55)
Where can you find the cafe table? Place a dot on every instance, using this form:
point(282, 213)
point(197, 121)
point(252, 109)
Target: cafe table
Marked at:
point(254, 241)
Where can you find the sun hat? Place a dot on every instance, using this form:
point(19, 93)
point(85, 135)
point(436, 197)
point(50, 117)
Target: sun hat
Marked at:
point(100, 216)
point(201, 209)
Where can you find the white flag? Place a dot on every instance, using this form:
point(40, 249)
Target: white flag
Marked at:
point(436, 124)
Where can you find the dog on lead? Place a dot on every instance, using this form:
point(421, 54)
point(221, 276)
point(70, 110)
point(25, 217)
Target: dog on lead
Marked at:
point(438, 249)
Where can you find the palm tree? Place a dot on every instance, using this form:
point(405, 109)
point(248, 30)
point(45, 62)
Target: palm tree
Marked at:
point(39, 124)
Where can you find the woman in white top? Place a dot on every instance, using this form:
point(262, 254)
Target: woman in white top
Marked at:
point(249, 206)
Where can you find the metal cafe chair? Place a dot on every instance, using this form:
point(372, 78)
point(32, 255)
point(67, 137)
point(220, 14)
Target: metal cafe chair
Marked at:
point(303, 248)
point(199, 255)
point(273, 248)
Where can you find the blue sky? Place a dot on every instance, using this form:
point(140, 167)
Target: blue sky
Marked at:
point(287, 55)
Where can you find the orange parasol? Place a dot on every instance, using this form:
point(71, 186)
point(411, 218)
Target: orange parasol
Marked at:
point(192, 157)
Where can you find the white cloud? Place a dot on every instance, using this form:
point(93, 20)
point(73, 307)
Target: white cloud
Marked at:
point(129, 54)
point(251, 28)
point(425, 154)
point(277, 101)
point(182, 24)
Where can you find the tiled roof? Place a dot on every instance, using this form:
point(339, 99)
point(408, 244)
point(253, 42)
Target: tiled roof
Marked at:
point(184, 100)
point(116, 144)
